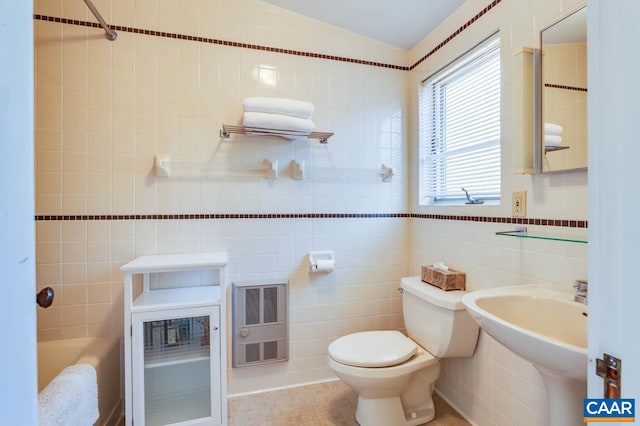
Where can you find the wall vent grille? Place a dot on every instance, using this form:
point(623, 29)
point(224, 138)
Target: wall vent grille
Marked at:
point(260, 324)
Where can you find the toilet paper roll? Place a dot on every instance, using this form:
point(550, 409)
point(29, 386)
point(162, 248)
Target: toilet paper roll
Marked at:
point(323, 265)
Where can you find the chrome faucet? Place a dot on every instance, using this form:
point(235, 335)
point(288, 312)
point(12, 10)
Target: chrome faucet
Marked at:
point(581, 287)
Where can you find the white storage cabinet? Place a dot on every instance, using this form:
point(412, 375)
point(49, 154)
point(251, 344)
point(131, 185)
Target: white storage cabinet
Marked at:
point(175, 343)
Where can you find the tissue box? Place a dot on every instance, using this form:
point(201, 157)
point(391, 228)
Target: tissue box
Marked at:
point(446, 280)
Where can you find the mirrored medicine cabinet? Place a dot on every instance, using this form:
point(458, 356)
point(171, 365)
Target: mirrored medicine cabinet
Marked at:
point(550, 99)
point(562, 141)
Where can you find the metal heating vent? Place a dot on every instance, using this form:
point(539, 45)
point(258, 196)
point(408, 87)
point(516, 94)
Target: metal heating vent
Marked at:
point(260, 326)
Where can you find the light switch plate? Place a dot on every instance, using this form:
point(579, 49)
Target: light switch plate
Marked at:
point(519, 204)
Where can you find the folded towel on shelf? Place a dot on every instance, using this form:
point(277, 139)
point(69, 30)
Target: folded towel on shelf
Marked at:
point(71, 398)
point(284, 106)
point(283, 123)
point(552, 140)
point(552, 129)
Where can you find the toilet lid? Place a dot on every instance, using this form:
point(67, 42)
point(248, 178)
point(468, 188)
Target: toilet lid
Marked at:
point(373, 349)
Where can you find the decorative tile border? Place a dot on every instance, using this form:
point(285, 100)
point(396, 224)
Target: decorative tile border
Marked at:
point(485, 219)
point(560, 86)
point(512, 220)
point(220, 216)
point(444, 42)
point(269, 48)
point(220, 42)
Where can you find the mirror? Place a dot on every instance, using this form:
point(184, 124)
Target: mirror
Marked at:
point(563, 72)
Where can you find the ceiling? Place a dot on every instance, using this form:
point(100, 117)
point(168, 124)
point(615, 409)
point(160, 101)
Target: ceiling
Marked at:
point(572, 29)
point(400, 23)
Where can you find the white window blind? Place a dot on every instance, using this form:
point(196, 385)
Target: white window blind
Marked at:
point(459, 123)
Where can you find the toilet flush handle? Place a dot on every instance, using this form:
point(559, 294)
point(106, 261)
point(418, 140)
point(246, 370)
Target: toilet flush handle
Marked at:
point(401, 290)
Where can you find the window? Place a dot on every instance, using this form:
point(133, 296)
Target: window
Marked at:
point(459, 120)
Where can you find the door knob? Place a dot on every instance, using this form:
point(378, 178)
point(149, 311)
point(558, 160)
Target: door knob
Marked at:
point(44, 298)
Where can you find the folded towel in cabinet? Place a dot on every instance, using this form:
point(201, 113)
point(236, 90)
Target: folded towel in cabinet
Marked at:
point(71, 398)
point(552, 129)
point(552, 140)
point(284, 123)
point(292, 107)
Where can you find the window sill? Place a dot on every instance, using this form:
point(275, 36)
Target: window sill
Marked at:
point(460, 204)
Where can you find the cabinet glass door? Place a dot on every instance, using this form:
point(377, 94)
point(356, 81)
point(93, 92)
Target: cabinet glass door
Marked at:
point(176, 363)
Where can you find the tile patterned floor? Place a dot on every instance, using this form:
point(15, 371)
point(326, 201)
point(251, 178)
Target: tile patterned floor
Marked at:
point(324, 404)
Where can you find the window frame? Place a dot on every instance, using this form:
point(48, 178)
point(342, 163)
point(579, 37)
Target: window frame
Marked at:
point(473, 57)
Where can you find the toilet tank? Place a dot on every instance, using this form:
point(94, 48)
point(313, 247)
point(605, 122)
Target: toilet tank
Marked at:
point(437, 320)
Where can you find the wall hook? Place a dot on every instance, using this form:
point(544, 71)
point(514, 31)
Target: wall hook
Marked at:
point(297, 170)
point(387, 173)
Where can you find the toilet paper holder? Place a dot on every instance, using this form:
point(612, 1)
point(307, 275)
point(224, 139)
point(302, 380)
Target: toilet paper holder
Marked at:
point(321, 261)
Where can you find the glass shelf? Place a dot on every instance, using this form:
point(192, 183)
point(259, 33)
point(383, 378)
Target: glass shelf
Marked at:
point(176, 341)
point(176, 355)
point(543, 236)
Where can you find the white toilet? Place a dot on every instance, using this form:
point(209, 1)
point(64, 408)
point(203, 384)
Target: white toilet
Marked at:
point(394, 375)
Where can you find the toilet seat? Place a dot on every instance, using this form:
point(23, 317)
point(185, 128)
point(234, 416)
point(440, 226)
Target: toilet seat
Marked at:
point(373, 349)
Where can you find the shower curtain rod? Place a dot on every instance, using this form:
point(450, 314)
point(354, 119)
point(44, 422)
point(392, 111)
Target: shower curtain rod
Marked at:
point(109, 33)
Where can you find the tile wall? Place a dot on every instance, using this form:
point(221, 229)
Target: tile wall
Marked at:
point(496, 387)
point(105, 109)
point(178, 70)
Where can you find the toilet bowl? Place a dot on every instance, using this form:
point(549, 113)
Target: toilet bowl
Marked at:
point(394, 375)
point(381, 389)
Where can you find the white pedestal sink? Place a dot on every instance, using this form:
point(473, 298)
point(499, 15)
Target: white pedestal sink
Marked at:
point(546, 327)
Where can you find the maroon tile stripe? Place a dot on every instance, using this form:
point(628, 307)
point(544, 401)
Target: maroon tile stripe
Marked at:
point(269, 48)
point(444, 42)
point(217, 216)
point(561, 86)
point(220, 42)
point(486, 219)
point(511, 220)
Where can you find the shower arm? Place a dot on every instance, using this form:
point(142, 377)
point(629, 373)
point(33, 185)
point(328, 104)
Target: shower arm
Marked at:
point(109, 33)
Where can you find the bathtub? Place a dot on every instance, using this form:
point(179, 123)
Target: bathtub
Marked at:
point(101, 352)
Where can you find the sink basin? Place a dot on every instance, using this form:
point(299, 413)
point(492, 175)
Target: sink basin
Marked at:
point(546, 327)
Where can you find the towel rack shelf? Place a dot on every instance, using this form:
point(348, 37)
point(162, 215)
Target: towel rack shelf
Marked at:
point(554, 148)
point(229, 129)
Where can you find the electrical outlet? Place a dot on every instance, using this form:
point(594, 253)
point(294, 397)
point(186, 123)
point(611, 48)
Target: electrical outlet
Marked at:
point(519, 204)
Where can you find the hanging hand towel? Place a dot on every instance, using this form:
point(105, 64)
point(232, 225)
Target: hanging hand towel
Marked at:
point(292, 107)
point(286, 124)
point(71, 398)
point(552, 140)
point(552, 129)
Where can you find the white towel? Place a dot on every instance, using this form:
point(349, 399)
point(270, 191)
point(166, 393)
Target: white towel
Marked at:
point(258, 121)
point(292, 107)
point(552, 129)
point(71, 398)
point(552, 140)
